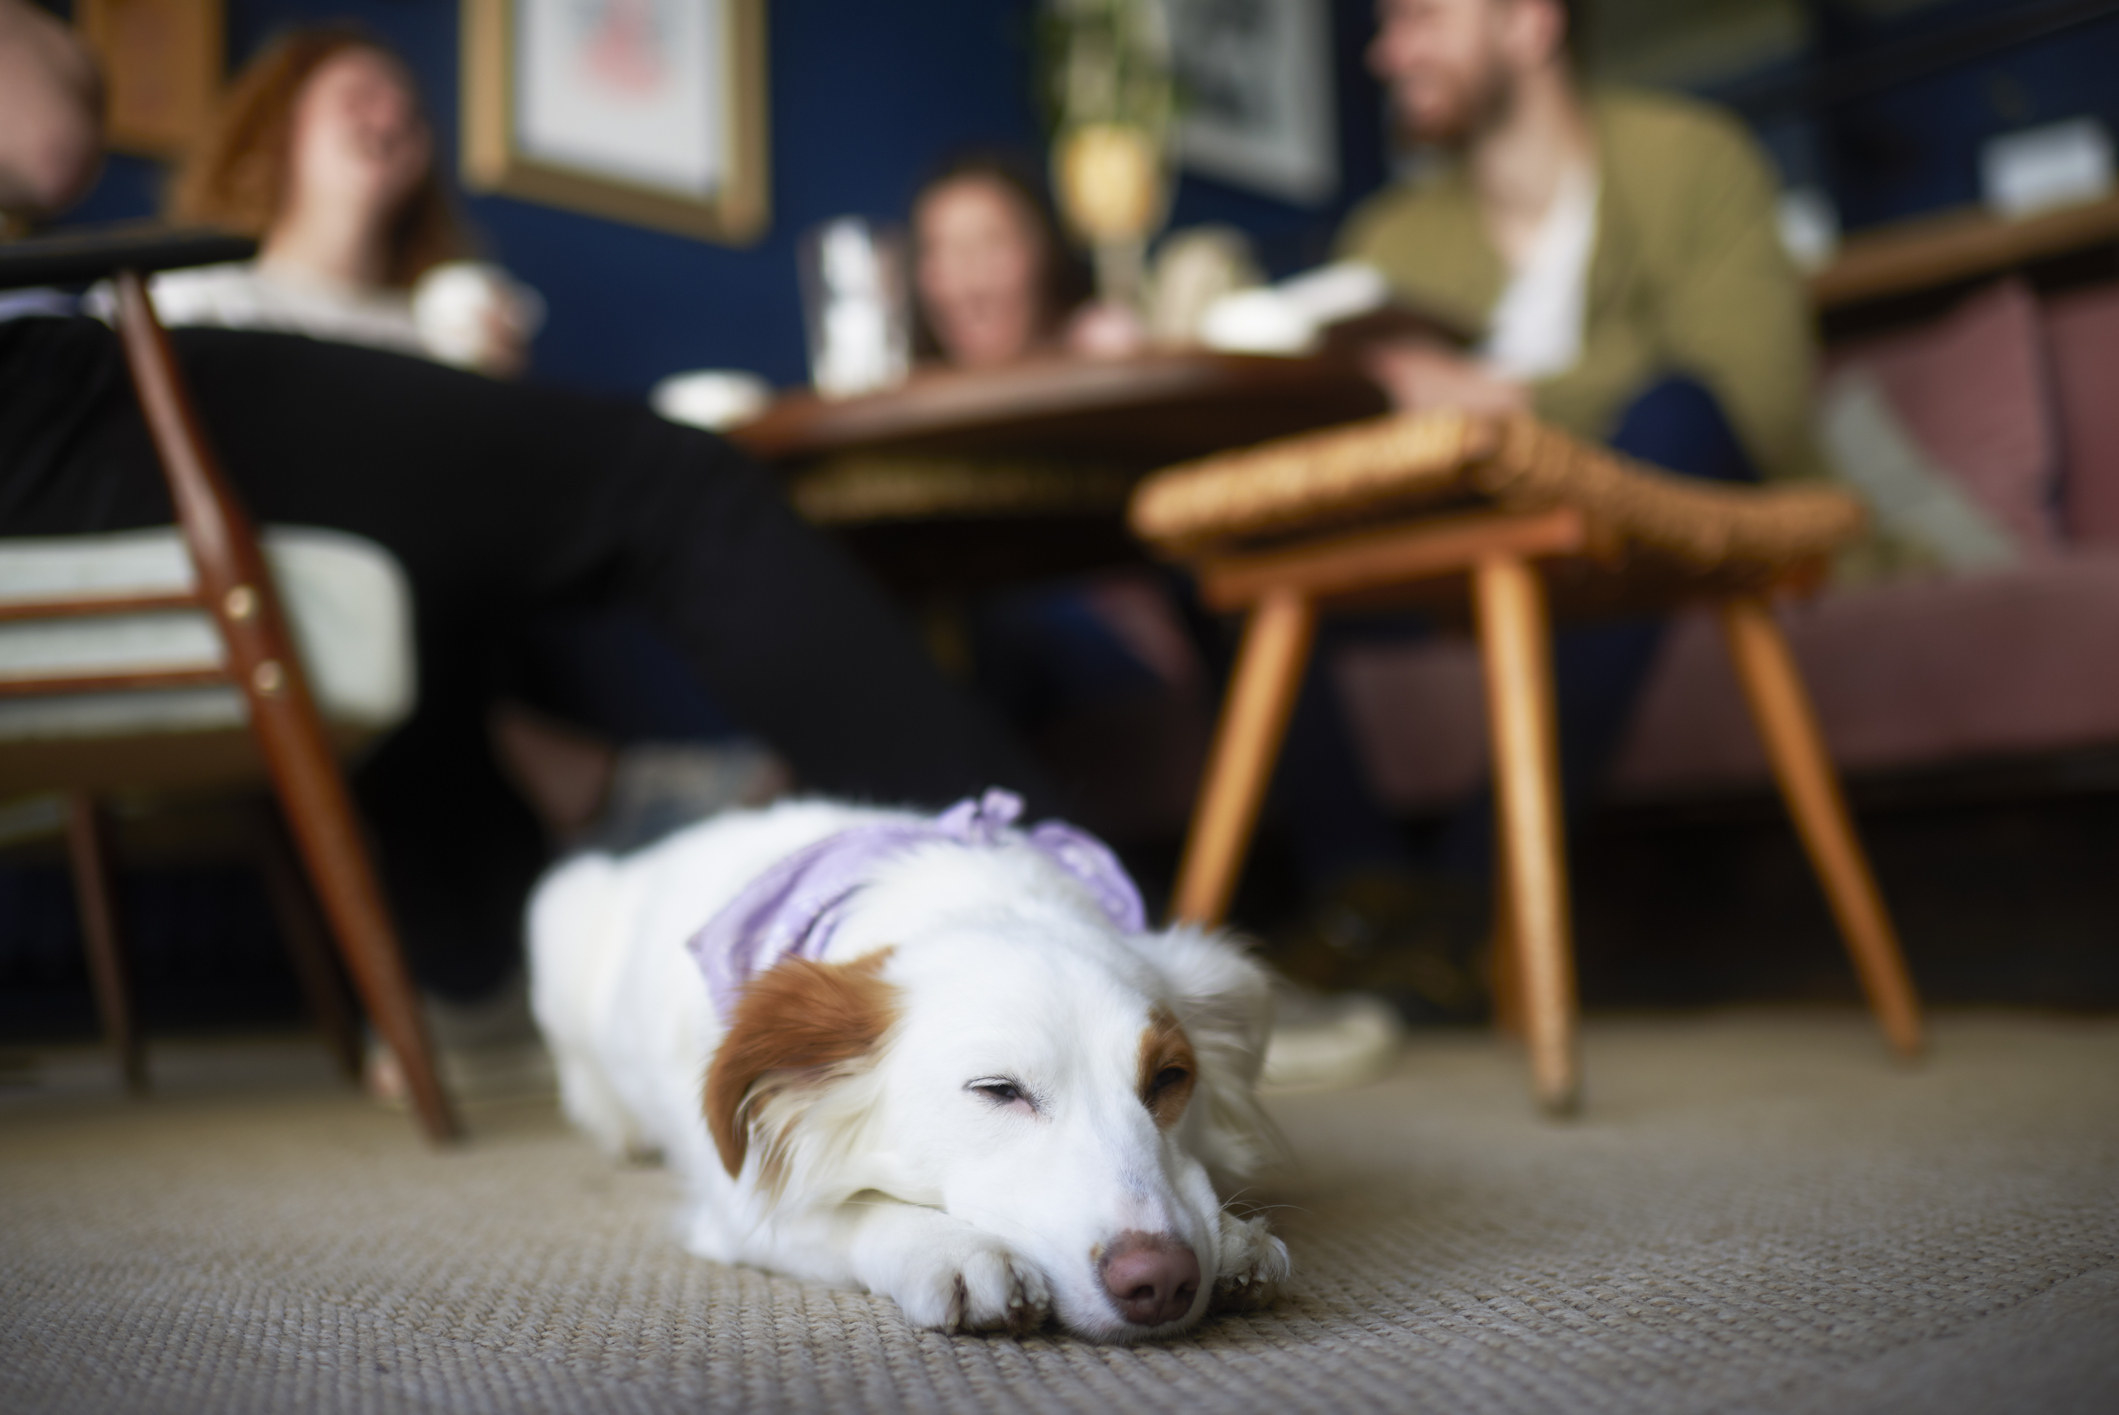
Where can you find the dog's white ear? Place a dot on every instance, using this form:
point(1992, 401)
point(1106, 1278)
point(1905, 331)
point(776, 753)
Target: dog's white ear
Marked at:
point(797, 1023)
point(1226, 1006)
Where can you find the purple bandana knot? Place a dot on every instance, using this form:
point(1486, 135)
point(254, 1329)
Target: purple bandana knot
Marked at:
point(794, 908)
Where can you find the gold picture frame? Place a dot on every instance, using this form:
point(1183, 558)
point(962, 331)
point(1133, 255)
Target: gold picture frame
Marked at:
point(161, 62)
point(558, 99)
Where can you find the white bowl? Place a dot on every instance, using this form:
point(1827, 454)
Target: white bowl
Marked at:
point(715, 399)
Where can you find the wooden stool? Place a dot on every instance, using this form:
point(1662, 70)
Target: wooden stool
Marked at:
point(1435, 507)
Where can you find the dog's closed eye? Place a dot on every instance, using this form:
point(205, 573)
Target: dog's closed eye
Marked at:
point(1003, 1092)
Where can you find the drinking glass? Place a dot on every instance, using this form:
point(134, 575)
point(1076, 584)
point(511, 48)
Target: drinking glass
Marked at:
point(855, 306)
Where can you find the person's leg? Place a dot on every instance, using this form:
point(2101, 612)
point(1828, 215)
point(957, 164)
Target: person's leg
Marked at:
point(613, 672)
point(1041, 651)
point(1600, 669)
point(501, 501)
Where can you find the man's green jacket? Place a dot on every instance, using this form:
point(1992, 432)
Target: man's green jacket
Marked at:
point(1688, 275)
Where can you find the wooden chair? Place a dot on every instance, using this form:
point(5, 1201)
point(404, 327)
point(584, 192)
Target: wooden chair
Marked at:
point(1507, 512)
point(282, 738)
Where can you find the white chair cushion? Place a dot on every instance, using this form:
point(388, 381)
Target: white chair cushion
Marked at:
point(348, 601)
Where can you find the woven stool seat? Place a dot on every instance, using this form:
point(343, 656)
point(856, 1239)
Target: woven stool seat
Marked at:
point(1385, 468)
point(1512, 516)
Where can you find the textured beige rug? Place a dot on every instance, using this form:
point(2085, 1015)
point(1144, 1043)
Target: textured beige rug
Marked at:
point(1759, 1213)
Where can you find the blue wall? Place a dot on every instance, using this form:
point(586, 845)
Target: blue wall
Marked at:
point(1912, 145)
point(1915, 148)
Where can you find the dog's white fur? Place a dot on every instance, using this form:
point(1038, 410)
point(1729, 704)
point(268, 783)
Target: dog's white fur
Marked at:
point(891, 1171)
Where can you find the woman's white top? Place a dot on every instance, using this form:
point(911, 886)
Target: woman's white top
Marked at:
point(447, 316)
point(1536, 327)
point(244, 295)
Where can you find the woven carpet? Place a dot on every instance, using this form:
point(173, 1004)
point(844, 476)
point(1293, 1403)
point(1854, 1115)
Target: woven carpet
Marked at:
point(1758, 1213)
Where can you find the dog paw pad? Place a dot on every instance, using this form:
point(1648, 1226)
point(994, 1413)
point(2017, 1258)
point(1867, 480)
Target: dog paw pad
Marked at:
point(979, 1286)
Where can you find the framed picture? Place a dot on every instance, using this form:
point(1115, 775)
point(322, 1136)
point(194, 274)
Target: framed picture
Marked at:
point(1255, 87)
point(647, 111)
point(161, 60)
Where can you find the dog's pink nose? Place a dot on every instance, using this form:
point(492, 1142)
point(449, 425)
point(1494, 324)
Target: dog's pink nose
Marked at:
point(1152, 1278)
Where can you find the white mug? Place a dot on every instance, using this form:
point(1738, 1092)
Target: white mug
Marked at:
point(455, 303)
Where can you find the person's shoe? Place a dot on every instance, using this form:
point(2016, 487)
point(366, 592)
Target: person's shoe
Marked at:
point(1418, 940)
point(660, 787)
point(1319, 1041)
point(486, 1050)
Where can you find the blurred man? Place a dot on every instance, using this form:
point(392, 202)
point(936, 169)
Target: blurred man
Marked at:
point(1619, 251)
point(1618, 248)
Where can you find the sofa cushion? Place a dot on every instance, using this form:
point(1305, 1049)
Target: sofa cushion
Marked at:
point(1908, 675)
point(2082, 332)
point(348, 602)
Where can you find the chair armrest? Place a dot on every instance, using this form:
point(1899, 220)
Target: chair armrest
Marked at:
point(92, 252)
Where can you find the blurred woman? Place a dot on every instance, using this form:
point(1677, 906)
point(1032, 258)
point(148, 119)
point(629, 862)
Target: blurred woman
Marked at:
point(995, 283)
point(994, 277)
point(322, 151)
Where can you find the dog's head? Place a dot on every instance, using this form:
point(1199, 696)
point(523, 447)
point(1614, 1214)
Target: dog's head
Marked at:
point(1071, 1090)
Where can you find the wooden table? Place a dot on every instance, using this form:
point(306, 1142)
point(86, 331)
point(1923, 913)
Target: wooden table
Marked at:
point(960, 479)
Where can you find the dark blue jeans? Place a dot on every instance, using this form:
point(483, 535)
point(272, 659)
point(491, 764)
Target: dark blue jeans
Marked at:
point(1322, 797)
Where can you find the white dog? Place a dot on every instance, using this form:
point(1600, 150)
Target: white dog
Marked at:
point(936, 1057)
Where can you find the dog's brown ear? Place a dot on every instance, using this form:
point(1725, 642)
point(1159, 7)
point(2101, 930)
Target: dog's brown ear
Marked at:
point(799, 1017)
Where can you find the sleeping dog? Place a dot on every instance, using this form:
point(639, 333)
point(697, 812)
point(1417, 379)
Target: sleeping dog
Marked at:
point(940, 1058)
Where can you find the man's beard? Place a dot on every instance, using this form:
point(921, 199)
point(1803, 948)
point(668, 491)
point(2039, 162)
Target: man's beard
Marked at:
point(1488, 104)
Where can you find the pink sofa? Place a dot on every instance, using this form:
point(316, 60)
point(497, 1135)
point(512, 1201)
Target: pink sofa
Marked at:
point(2018, 400)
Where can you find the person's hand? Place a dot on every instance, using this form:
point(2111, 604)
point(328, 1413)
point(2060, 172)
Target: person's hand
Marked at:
point(1420, 378)
point(504, 343)
point(474, 316)
point(1104, 331)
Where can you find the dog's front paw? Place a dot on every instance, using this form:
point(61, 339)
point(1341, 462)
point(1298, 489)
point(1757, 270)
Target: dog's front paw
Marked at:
point(1253, 1265)
point(972, 1283)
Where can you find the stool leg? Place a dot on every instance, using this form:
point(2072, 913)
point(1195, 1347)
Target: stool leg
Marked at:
point(1276, 647)
point(1517, 645)
point(96, 891)
point(1506, 965)
point(1787, 724)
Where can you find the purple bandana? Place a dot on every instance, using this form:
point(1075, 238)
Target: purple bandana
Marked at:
point(794, 908)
